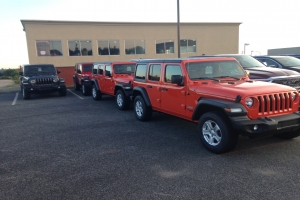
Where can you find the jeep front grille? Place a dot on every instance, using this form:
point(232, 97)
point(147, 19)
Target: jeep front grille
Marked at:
point(44, 81)
point(274, 103)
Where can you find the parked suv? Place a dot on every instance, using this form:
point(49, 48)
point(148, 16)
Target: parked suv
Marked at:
point(258, 71)
point(115, 79)
point(40, 78)
point(216, 93)
point(81, 77)
point(282, 62)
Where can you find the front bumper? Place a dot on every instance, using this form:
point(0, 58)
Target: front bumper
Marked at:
point(266, 126)
point(43, 88)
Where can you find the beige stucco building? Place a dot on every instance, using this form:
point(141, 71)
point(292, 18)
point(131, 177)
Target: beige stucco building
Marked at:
point(64, 43)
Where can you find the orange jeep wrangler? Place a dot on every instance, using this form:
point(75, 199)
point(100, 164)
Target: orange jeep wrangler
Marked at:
point(217, 94)
point(115, 79)
point(81, 77)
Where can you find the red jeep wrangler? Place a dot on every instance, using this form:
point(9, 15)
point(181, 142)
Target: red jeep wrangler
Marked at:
point(113, 78)
point(216, 93)
point(81, 77)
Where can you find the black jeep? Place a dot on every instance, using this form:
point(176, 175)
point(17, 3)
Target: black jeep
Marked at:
point(40, 78)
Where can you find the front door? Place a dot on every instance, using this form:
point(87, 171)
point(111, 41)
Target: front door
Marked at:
point(173, 96)
point(108, 82)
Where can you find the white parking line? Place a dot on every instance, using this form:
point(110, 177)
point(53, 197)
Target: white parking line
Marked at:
point(75, 94)
point(15, 100)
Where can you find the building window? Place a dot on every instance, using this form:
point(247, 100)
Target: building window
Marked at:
point(80, 48)
point(49, 48)
point(134, 47)
point(187, 46)
point(164, 46)
point(108, 47)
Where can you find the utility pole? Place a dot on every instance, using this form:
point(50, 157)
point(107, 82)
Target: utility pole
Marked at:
point(178, 29)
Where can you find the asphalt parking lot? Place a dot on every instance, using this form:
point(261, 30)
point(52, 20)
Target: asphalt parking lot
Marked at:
point(73, 147)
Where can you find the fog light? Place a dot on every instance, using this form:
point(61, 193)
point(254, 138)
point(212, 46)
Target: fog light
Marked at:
point(255, 127)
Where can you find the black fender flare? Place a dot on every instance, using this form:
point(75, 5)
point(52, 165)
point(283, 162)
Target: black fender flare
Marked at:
point(126, 92)
point(205, 103)
point(144, 94)
point(95, 82)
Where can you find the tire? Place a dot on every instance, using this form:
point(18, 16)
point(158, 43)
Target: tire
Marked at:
point(122, 101)
point(216, 134)
point(97, 95)
point(62, 92)
point(76, 85)
point(142, 112)
point(84, 90)
point(25, 93)
point(289, 135)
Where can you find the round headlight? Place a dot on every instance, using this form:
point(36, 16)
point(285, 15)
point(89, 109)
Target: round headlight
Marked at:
point(294, 96)
point(55, 80)
point(249, 102)
point(33, 81)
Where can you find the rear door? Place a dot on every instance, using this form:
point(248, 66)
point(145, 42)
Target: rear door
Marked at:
point(153, 84)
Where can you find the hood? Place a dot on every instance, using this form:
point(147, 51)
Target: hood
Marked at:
point(230, 89)
point(295, 69)
point(268, 72)
point(124, 79)
point(40, 76)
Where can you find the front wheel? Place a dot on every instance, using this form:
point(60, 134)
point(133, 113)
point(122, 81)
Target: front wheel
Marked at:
point(216, 135)
point(62, 92)
point(96, 93)
point(288, 136)
point(25, 93)
point(122, 101)
point(142, 112)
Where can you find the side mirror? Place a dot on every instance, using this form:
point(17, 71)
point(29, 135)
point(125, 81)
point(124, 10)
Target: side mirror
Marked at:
point(78, 71)
point(21, 73)
point(177, 79)
point(58, 71)
point(247, 73)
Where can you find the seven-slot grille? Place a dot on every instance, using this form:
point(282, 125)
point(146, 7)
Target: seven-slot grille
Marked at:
point(44, 81)
point(275, 103)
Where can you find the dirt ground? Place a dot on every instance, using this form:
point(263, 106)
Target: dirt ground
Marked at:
point(8, 86)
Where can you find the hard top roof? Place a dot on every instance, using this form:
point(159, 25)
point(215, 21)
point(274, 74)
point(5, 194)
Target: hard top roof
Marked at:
point(179, 60)
point(26, 65)
point(115, 62)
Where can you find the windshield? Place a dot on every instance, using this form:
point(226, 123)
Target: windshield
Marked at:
point(246, 61)
point(39, 70)
point(87, 68)
point(288, 61)
point(217, 69)
point(124, 68)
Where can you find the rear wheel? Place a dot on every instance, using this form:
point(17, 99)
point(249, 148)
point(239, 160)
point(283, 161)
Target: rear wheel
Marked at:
point(142, 112)
point(97, 95)
point(122, 101)
point(216, 134)
point(84, 90)
point(76, 85)
point(25, 93)
point(289, 135)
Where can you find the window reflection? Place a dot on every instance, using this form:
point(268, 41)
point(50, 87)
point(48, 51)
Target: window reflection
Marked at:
point(164, 46)
point(80, 48)
point(134, 47)
point(172, 70)
point(154, 72)
point(187, 45)
point(108, 47)
point(49, 48)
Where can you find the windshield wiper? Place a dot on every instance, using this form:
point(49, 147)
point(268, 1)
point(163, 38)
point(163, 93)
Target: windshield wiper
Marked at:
point(227, 77)
point(205, 78)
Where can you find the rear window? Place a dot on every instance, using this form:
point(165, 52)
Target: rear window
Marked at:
point(88, 68)
point(124, 68)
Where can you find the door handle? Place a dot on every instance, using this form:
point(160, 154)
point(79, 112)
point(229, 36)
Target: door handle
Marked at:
point(164, 89)
point(149, 86)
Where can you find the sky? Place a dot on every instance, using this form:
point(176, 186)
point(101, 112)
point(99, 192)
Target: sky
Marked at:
point(265, 24)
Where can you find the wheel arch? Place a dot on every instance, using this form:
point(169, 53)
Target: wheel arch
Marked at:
point(141, 91)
